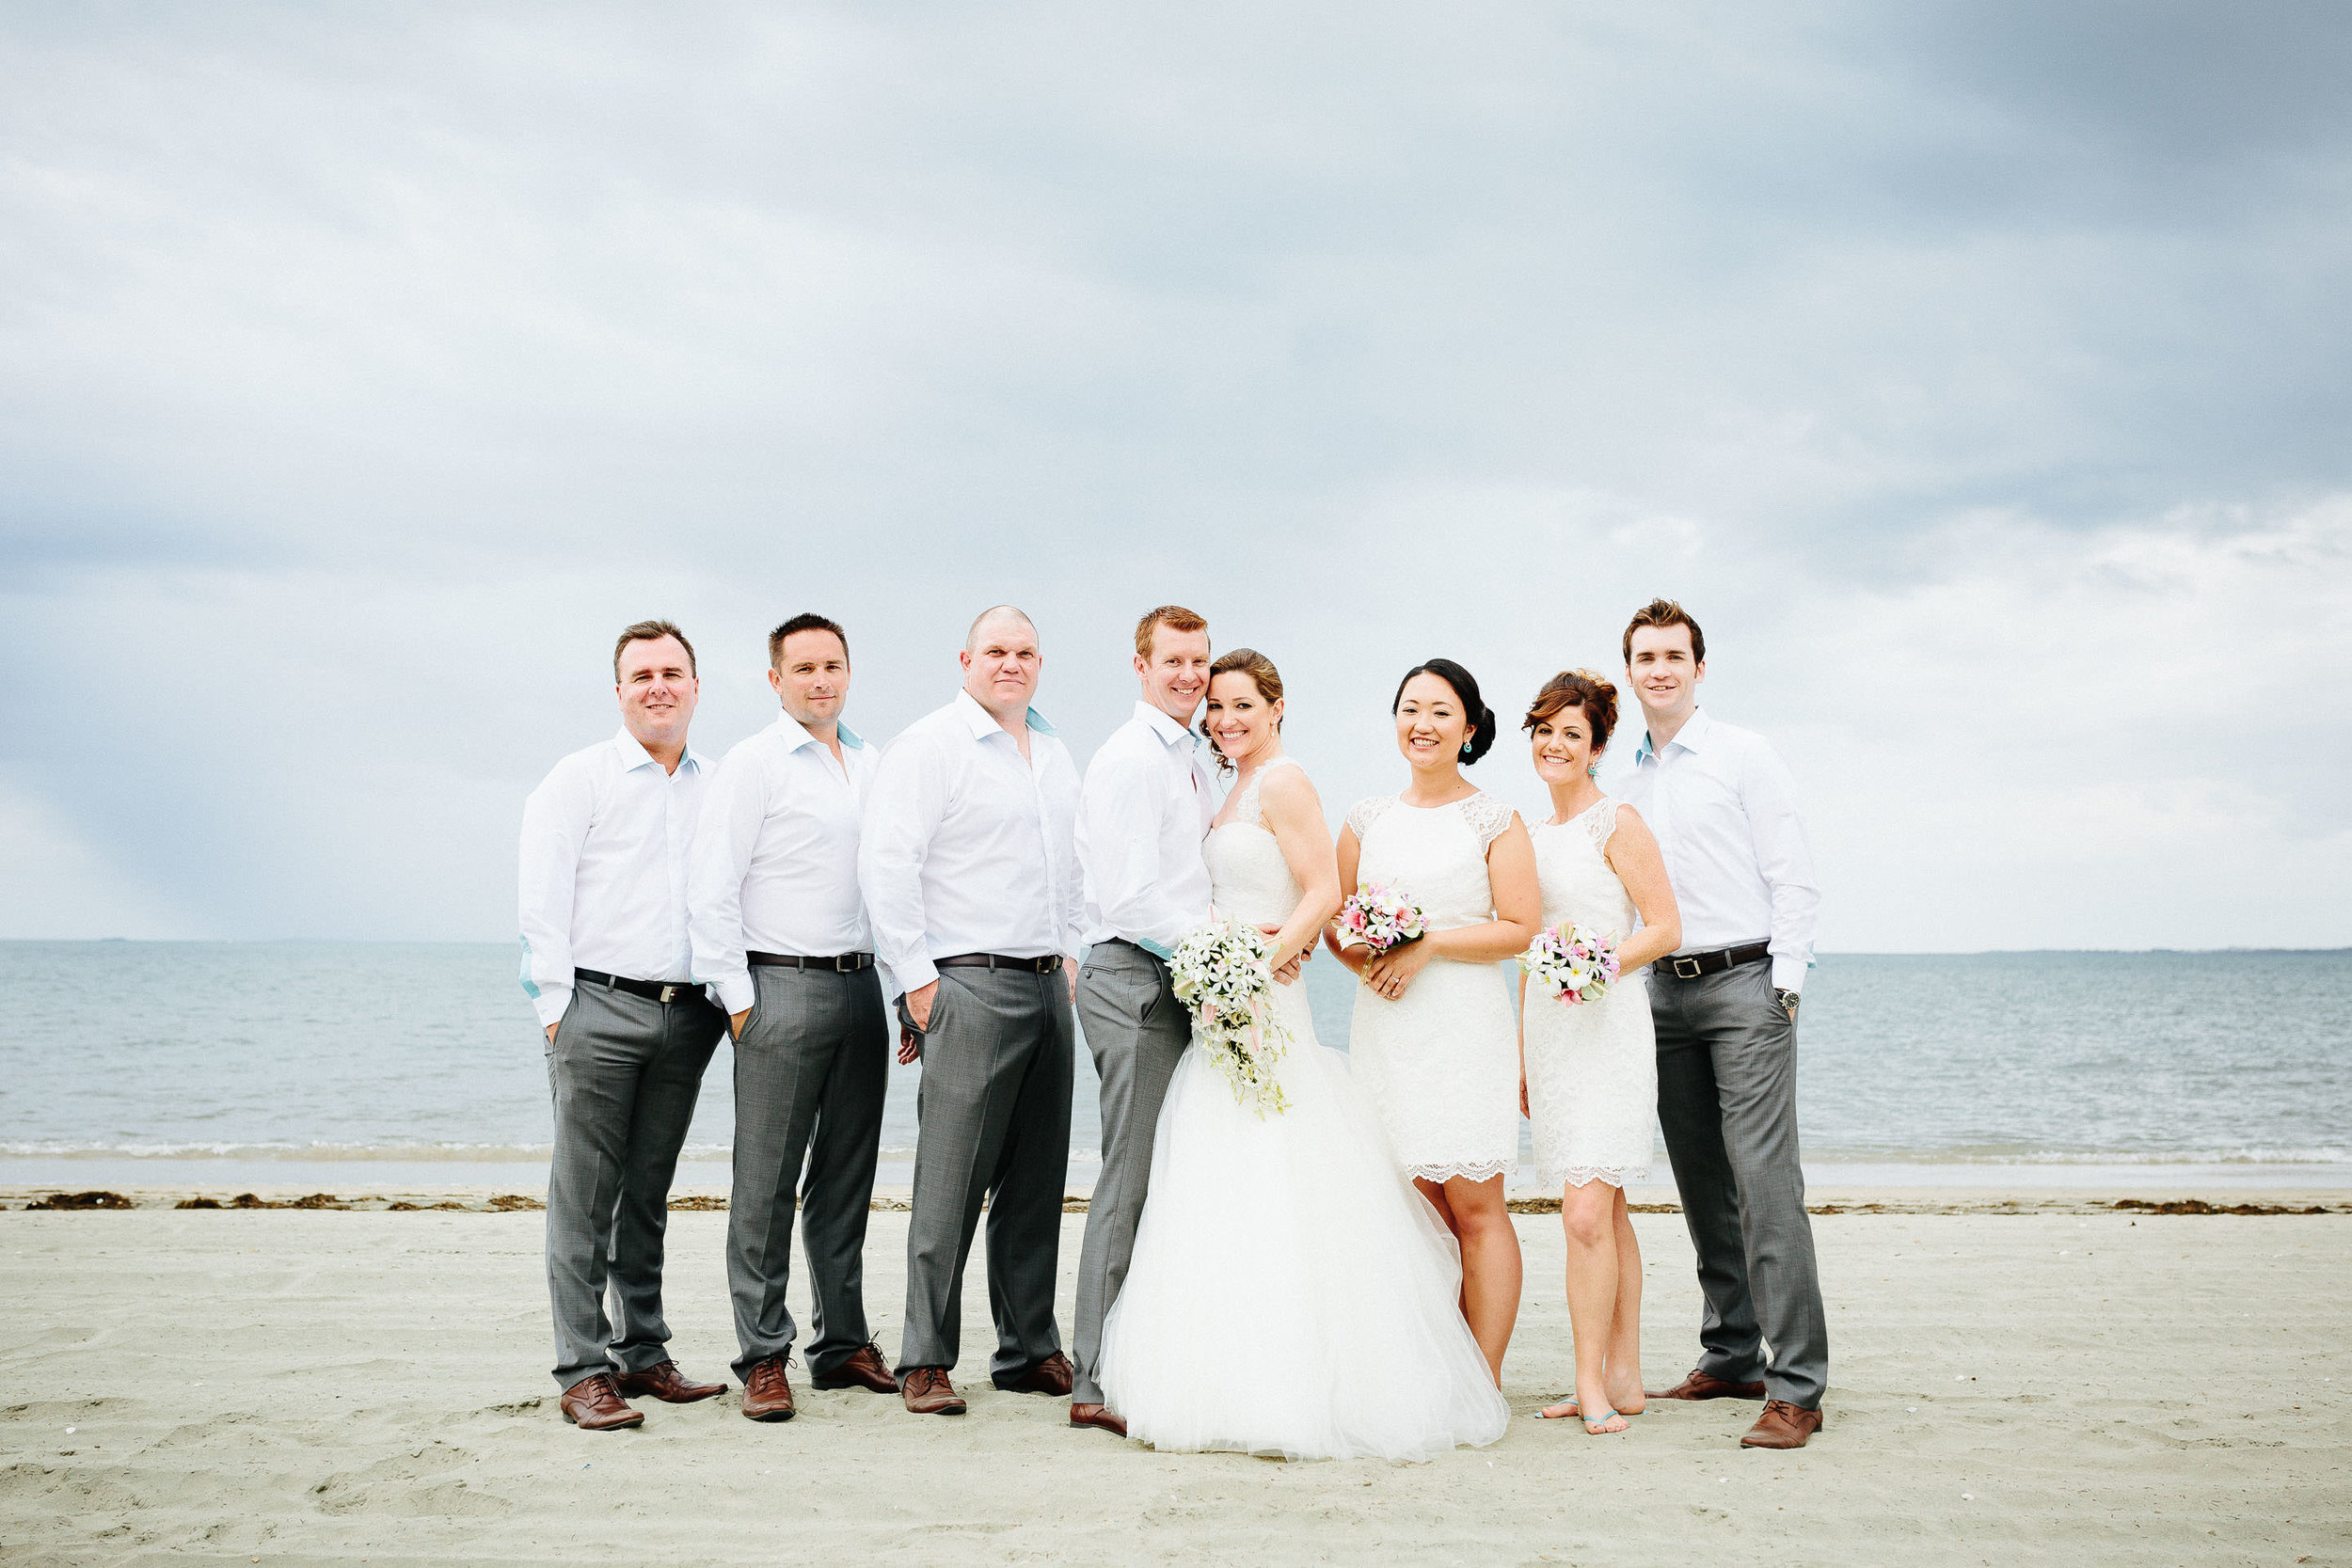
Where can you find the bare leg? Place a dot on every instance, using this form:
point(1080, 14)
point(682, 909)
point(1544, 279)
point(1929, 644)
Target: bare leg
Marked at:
point(1624, 1331)
point(1475, 1213)
point(1588, 1215)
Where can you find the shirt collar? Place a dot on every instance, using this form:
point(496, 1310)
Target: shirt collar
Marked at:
point(1690, 737)
point(795, 734)
point(1166, 727)
point(634, 755)
point(982, 723)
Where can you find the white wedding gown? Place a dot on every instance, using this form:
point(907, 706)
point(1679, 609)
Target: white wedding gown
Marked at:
point(1291, 1293)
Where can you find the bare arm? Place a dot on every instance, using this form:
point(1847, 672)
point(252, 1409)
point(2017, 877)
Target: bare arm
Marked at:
point(1350, 856)
point(1294, 815)
point(1632, 855)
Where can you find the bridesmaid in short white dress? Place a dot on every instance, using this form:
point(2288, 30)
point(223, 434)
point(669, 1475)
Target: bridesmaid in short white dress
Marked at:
point(1433, 1040)
point(1589, 1071)
point(1290, 1292)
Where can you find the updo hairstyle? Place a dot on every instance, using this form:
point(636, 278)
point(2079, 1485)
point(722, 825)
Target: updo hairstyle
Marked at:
point(1262, 673)
point(1480, 717)
point(1577, 689)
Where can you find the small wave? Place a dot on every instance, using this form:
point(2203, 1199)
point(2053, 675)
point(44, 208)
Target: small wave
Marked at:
point(1979, 1155)
point(468, 1153)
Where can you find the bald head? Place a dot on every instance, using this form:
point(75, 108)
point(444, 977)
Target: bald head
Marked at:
point(998, 619)
point(1000, 665)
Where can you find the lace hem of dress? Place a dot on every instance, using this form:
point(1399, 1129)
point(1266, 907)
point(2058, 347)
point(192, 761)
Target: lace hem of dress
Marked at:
point(1484, 1170)
point(1619, 1176)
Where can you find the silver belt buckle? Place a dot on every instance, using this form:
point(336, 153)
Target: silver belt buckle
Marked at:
point(1690, 973)
point(669, 993)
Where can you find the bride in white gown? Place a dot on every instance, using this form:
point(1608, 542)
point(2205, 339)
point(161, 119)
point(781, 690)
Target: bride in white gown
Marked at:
point(1291, 1293)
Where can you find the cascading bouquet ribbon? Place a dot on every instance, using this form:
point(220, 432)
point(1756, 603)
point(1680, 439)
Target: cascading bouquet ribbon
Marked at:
point(1224, 975)
point(1379, 917)
point(1571, 963)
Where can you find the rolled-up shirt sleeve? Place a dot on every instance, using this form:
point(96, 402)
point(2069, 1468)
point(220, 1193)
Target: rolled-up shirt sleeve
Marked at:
point(903, 808)
point(556, 819)
point(1785, 860)
point(733, 806)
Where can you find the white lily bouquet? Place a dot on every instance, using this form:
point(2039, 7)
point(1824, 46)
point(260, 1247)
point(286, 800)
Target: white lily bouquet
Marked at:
point(1224, 975)
point(1571, 963)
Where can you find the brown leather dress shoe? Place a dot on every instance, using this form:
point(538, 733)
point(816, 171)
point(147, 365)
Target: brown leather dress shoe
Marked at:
point(1096, 1415)
point(1782, 1426)
point(593, 1405)
point(1705, 1386)
point(767, 1392)
point(928, 1392)
point(1050, 1376)
point(863, 1367)
point(662, 1381)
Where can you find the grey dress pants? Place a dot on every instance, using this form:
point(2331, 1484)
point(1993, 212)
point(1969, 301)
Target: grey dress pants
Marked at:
point(810, 1072)
point(1136, 1030)
point(625, 1071)
point(993, 1110)
point(1727, 1104)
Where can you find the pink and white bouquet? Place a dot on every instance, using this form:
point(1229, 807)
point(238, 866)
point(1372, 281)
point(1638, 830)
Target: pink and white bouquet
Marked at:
point(1224, 975)
point(1570, 962)
point(1380, 917)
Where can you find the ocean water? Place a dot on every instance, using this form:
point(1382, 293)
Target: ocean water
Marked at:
point(358, 1063)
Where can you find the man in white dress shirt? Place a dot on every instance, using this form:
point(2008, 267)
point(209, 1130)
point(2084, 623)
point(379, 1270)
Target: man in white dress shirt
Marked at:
point(778, 930)
point(1723, 808)
point(607, 962)
point(1142, 818)
point(973, 889)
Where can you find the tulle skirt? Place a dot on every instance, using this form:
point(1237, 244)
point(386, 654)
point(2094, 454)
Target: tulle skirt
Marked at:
point(1290, 1292)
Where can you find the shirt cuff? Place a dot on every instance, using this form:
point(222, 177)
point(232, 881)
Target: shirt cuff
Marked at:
point(552, 1005)
point(736, 993)
point(1789, 974)
point(914, 973)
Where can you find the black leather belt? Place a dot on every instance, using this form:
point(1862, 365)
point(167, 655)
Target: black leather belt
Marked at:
point(1045, 965)
point(840, 963)
point(1690, 966)
point(669, 992)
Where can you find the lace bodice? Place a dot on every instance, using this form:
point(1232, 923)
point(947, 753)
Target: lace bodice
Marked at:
point(1572, 866)
point(1248, 879)
point(1435, 855)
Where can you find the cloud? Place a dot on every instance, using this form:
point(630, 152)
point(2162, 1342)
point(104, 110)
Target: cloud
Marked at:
point(1975, 373)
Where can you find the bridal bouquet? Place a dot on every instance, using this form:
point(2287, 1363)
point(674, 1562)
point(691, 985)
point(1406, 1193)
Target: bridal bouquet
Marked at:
point(1380, 917)
point(1223, 974)
point(1573, 963)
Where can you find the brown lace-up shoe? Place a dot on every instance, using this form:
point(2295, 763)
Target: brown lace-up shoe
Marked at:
point(1782, 1426)
point(863, 1367)
point(662, 1381)
point(928, 1392)
point(1096, 1415)
point(1050, 1376)
point(767, 1392)
point(593, 1405)
point(1705, 1386)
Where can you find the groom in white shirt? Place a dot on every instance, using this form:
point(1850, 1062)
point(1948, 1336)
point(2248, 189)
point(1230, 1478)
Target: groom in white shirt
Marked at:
point(973, 889)
point(1723, 808)
point(1142, 818)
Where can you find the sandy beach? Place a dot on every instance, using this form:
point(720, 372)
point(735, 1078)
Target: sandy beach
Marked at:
point(2064, 1382)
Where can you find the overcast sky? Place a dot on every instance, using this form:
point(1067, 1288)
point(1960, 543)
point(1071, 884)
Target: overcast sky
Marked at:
point(1976, 373)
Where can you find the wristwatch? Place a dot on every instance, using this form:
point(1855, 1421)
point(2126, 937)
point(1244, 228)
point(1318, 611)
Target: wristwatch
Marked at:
point(1789, 1000)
